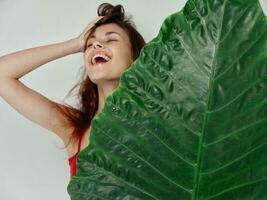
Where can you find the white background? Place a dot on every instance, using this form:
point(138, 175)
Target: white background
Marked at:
point(32, 165)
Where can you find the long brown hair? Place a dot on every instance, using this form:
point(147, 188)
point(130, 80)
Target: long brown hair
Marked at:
point(80, 118)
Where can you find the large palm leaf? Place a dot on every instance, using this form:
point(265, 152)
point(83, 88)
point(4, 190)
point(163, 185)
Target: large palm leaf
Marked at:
point(189, 118)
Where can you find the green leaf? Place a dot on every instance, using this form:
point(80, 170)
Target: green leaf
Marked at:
point(189, 118)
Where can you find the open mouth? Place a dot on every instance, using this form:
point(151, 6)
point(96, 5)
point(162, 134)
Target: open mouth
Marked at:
point(99, 58)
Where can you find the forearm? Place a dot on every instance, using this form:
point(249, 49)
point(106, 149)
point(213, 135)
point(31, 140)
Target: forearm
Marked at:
point(17, 64)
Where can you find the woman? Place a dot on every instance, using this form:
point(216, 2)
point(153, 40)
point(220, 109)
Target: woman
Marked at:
point(110, 44)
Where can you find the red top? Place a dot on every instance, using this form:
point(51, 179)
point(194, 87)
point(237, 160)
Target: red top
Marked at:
point(73, 160)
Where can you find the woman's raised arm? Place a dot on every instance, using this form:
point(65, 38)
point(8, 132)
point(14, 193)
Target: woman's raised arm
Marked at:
point(31, 104)
point(26, 101)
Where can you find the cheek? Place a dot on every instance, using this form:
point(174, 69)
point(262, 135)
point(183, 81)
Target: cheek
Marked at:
point(85, 60)
point(123, 57)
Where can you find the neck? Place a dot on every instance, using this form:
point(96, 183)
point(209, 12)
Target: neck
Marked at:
point(104, 90)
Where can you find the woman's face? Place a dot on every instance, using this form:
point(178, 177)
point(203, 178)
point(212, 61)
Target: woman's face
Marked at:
point(108, 53)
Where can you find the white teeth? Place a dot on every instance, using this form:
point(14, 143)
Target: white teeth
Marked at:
point(99, 55)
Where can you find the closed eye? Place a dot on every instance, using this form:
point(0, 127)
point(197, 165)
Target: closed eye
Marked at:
point(89, 45)
point(110, 40)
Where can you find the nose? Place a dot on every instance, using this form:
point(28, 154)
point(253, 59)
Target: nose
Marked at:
point(97, 44)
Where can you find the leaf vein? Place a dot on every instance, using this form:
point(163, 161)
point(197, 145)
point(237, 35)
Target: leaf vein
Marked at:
point(205, 72)
point(235, 160)
point(202, 138)
point(241, 55)
point(193, 95)
point(235, 132)
point(116, 177)
point(237, 96)
point(234, 24)
point(204, 22)
point(146, 162)
point(236, 187)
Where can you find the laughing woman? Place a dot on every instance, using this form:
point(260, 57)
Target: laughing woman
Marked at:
point(109, 45)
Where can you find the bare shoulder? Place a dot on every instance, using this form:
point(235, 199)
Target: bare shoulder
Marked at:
point(73, 146)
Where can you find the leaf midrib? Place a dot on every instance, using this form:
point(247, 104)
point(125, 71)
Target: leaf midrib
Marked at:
point(210, 89)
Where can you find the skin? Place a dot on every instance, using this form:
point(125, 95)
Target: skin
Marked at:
point(17, 64)
point(107, 75)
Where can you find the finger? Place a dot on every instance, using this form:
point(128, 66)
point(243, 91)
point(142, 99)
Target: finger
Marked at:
point(91, 25)
point(87, 32)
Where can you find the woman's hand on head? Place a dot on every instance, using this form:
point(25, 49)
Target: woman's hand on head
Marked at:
point(81, 39)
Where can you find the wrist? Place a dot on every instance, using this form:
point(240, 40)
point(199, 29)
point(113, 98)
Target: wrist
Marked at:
point(75, 45)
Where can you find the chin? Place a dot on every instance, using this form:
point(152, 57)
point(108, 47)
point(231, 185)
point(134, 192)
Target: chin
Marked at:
point(99, 80)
